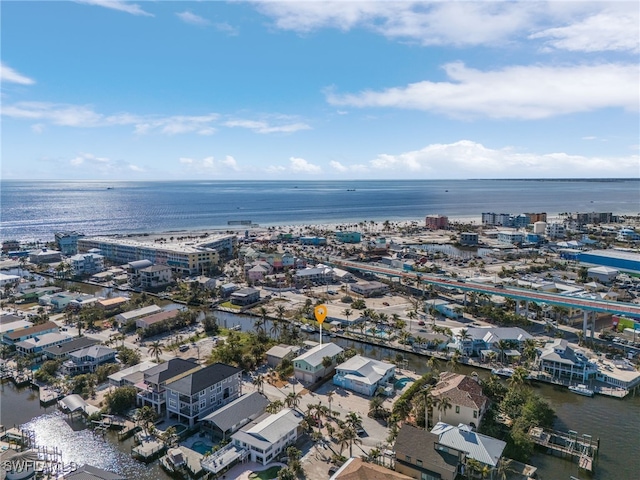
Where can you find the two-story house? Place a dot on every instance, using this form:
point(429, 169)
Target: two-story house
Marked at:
point(151, 390)
point(309, 367)
point(87, 359)
point(464, 394)
point(363, 375)
point(198, 393)
point(560, 360)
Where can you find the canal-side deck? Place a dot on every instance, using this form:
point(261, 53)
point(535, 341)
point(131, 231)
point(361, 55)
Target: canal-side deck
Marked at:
point(581, 449)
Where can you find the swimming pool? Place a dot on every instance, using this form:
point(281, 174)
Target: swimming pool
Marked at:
point(201, 447)
point(402, 382)
point(378, 333)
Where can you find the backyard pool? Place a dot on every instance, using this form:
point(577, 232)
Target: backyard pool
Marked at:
point(202, 447)
point(378, 333)
point(402, 382)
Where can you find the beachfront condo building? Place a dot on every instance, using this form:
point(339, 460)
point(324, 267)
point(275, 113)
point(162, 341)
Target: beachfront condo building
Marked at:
point(188, 258)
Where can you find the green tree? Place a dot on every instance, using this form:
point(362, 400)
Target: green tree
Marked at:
point(155, 349)
point(120, 400)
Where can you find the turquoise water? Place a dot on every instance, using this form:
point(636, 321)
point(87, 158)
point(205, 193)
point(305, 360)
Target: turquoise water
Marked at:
point(402, 382)
point(378, 333)
point(201, 447)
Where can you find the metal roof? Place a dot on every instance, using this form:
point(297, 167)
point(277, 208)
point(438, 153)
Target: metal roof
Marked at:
point(482, 448)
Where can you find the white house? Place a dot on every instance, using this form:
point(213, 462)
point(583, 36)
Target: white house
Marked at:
point(363, 375)
point(269, 436)
point(309, 368)
point(603, 274)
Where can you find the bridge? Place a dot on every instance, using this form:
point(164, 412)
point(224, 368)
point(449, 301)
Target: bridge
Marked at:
point(588, 305)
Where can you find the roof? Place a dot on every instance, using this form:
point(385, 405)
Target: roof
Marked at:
point(138, 264)
point(9, 318)
point(281, 351)
point(155, 268)
point(495, 334)
point(270, 429)
point(358, 469)
point(167, 370)
point(88, 472)
point(244, 292)
point(32, 330)
point(72, 346)
point(137, 368)
point(420, 444)
point(94, 351)
point(315, 355)
point(460, 390)
point(366, 370)
point(239, 410)
point(486, 450)
point(42, 340)
point(73, 403)
point(140, 312)
point(568, 355)
point(159, 317)
point(605, 270)
point(107, 302)
point(205, 377)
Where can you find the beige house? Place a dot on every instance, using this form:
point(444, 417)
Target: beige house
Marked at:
point(468, 404)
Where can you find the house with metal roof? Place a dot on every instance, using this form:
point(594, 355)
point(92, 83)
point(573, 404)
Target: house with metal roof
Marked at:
point(309, 367)
point(193, 396)
point(363, 375)
point(478, 339)
point(63, 350)
point(277, 353)
point(19, 335)
point(88, 359)
point(227, 420)
point(270, 435)
point(124, 317)
point(563, 361)
point(482, 448)
point(38, 343)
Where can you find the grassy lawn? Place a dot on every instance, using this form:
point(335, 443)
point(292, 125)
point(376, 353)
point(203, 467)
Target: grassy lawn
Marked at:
point(230, 305)
point(267, 474)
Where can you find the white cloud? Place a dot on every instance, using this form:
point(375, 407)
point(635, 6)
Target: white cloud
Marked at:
point(265, 127)
point(93, 164)
point(227, 28)
point(9, 75)
point(210, 165)
point(193, 19)
point(525, 92)
point(300, 165)
point(615, 29)
point(338, 166)
point(84, 116)
point(119, 5)
point(38, 127)
point(468, 159)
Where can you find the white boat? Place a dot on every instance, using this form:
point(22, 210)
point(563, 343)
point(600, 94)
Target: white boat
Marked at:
point(581, 389)
point(502, 372)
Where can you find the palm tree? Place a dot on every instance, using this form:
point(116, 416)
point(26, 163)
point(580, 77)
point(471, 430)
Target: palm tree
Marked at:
point(353, 420)
point(155, 349)
point(444, 404)
point(428, 404)
point(259, 383)
point(520, 376)
point(454, 362)
point(330, 399)
point(504, 467)
point(292, 400)
point(503, 345)
point(274, 407)
point(463, 336)
point(347, 312)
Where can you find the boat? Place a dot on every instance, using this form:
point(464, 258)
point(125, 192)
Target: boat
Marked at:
point(307, 328)
point(502, 372)
point(581, 389)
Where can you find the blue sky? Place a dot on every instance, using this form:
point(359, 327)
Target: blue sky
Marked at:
point(151, 90)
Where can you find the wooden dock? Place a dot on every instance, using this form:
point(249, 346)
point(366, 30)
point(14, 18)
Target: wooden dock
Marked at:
point(581, 449)
point(129, 429)
point(148, 450)
point(48, 396)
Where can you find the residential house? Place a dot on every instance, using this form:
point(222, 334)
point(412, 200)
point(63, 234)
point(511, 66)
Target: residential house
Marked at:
point(363, 375)
point(86, 264)
point(45, 256)
point(420, 455)
point(19, 335)
point(468, 238)
point(479, 340)
point(245, 296)
point(109, 304)
point(88, 359)
point(269, 435)
point(151, 389)
point(356, 468)
point(314, 275)
point(448, 309)
point(67, 242)
point(468, 404)
point(313, 241)
point(133, 270)
point(348, 237)
point(124, 317)
point(38, 343)
point(154, 277)
point(256, 271)
point(562, 361)
point(193, 396)
point(510, 238)
point(277, 353)
point(9, 280)
point(12, 323)
point(131, 375)
point(482, 448)
point(62, 350)
point(227, 420)
point(160, 317)
point(309, 368)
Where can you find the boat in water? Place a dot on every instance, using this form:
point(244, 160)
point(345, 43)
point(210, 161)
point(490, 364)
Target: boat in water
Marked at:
point(502, 372)
point(581, 389)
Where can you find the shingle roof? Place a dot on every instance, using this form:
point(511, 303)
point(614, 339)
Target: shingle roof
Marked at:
point(482, 448)
point(357, 469)
point(165, 371)
point(240, 409)
point(93, 351)
point(419, 444)
point(460, 390)
point(31, 330)
point(72, 346)
point(205, 377)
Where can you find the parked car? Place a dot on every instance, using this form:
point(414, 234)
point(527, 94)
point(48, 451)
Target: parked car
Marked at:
point(421, 322)
point(184, 348)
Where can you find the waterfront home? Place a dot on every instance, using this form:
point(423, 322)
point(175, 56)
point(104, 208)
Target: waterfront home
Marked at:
point(22, 334)
point(269, 435)
point(13, 323)
point(311, 275)
point(133, 270)
point(62, 350)
point(87, 359)
point(420, 455)
point(369, 289)
point(194, 395)
point(309, 367)
point(245, 296)
point(124, 317)
point(160, 317)
point(38, 343)
point(479, 339)
point(363, 375)
point(448, 309)
point(357, 469)
point(482, 448)
point(561, 360)
point(34, 294)
point(277, 353)
point(45, 256)
point(151, 390)
point(468, 404)
point(86, 264)
point(154, 277)
point(109, 304)
point(131, 375)
point(228, 419)
point(67, 242)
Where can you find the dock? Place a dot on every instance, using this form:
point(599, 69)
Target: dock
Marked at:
point(148, 450)
point(191, 463)
point(581, 449)
point(48, 396)
point(127, 430)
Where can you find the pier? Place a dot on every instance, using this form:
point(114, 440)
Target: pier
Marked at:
point(580, 449)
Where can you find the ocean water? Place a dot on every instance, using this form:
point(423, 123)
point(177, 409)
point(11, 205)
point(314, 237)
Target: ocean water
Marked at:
point(34, 210)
